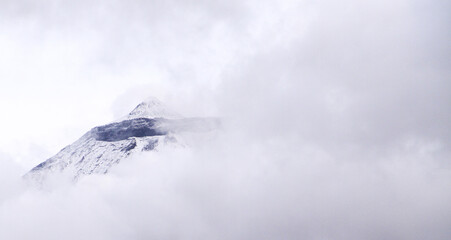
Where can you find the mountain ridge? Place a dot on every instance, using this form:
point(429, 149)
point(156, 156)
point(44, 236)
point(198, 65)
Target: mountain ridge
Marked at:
point(149, 126)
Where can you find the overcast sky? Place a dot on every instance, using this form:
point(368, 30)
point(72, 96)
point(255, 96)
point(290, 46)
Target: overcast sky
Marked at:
point(341, 108)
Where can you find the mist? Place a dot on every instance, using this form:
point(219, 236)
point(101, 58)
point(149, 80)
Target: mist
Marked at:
point(335, 118)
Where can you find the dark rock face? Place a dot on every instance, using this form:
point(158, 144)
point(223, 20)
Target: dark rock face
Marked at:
point(151, 144)
point(139, 127)
point(130, 146)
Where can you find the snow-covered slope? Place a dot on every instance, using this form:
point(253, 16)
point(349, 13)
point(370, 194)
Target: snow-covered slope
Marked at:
point(148, 127)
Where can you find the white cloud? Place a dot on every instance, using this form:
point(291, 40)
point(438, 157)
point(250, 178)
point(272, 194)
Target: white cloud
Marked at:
point(336, 118)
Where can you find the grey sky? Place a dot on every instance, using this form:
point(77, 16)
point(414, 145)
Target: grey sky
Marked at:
point(337, 117)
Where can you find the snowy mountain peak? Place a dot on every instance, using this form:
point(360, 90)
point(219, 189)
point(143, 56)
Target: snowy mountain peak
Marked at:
point(153, 108)
point(149, 127)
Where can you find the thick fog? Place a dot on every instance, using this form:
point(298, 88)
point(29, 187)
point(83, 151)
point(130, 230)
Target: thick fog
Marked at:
point(335, 118)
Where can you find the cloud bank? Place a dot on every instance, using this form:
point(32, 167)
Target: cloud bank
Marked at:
point(335, 118)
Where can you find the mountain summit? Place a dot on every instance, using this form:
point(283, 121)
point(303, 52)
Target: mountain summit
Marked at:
point(153, 108)
point(147, 128)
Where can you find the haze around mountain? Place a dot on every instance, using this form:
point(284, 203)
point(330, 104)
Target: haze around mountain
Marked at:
point(334, 118)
